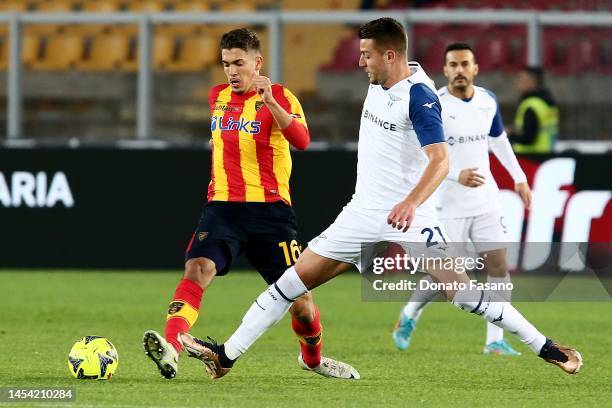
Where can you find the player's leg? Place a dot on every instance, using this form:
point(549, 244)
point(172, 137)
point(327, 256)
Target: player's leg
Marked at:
point(306, 323)
point(272, 249)
point(497, 273)
point(269, 307)
point(489, 237)
point(182, 313)
point(488, 304)
point(331, 253)
point(496, 310)
point(457, 231)
point(184, 308)
point(209, 253)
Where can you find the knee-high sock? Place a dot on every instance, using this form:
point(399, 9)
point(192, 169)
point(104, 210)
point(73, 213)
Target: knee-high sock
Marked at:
point(310, 335)
point(183, 310)
point(501, 313)
point(268, 309)
point(495, 333)
point(419, 299)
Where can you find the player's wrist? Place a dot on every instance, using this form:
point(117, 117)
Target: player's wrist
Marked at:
point(270, 101)
point(410, 202)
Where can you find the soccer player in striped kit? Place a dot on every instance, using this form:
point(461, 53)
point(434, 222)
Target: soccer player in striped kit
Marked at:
point(249, 211)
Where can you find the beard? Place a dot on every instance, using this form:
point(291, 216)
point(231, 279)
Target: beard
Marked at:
point(461, 86)
point(378, 80)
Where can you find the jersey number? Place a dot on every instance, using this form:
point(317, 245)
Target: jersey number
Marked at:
point(430, 241)
point(291, 251)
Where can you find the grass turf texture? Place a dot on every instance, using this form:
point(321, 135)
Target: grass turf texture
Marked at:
point(43, 313)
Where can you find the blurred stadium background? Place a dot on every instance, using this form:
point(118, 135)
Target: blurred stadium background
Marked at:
point(81, 82)
point(110, 96)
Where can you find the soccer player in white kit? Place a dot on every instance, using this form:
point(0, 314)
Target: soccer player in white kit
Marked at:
point(402, 159)
point(467, 199)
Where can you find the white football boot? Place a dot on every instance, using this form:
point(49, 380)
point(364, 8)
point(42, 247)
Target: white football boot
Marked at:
point(161, 352)
point(331, 368)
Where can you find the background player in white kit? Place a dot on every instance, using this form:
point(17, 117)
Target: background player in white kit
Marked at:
point(402, 159)
point(467, 199)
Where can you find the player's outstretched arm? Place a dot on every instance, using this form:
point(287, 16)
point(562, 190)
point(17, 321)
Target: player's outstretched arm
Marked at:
point(296, 133)
point(500, 146)
point(402, 214)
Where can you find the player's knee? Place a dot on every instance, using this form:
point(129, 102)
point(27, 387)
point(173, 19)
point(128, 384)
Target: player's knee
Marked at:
point(201, 270)
point(303, 309)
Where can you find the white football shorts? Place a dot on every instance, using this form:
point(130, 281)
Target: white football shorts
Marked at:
point(357, 234)
point(486, 231)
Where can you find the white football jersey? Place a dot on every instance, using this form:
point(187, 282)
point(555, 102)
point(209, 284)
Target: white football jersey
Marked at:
point(395, 124)
point(468, 124)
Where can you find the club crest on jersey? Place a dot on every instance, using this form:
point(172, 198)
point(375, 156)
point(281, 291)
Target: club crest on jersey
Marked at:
point(242, 125)
point(392, 100)
point(202, 236)
point(258, 105)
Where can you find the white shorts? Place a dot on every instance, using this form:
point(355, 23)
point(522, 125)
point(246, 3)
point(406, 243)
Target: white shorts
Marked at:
point(486, 231)
point(358, 233)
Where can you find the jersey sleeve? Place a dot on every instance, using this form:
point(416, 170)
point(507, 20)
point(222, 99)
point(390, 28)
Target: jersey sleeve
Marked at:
point(497, 125)
point(297, 132)
point(292, 105)
point(425, 113)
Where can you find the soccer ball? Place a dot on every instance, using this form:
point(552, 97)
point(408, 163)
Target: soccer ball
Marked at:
point(93, 357)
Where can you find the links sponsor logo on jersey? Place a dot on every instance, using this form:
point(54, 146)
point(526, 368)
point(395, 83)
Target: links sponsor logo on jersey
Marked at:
point(380, 122)
point(466, 139)
point(242, 125)
point(42, 190)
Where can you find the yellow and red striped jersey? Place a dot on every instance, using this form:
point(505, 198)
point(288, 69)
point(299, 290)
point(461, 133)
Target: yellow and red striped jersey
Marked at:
point(251, 161)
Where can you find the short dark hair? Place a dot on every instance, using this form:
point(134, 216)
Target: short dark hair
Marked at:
point(459, 46)
point(387, 33)
point(536, 73)
point(242, 38)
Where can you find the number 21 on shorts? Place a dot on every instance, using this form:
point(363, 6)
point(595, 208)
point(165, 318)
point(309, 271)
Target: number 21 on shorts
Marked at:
point(430, 236)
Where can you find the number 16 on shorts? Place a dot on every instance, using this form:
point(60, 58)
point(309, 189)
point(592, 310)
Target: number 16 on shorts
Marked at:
point(291, 251)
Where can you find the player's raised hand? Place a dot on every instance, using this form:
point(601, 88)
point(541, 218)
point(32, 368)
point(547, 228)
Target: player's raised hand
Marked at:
point(264, 88)
point(524, 191)
point(469, 177)
point(401, 215)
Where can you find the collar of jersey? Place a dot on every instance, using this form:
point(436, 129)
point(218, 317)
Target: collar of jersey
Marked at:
point(245, 95)
point(466, 100)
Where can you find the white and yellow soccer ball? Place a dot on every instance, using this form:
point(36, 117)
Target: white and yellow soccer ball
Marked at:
point(93, 357)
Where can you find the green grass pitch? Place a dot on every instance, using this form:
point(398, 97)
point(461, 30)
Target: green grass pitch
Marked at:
point(43, 313)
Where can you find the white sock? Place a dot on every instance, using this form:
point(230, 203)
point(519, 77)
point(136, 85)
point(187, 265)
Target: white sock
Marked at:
point(501, 313)
point(495, 333)
point(268, 309)
point(419, 299)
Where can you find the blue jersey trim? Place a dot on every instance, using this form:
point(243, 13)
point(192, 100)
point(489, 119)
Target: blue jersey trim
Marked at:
point(426, 115)
point(497, 125)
